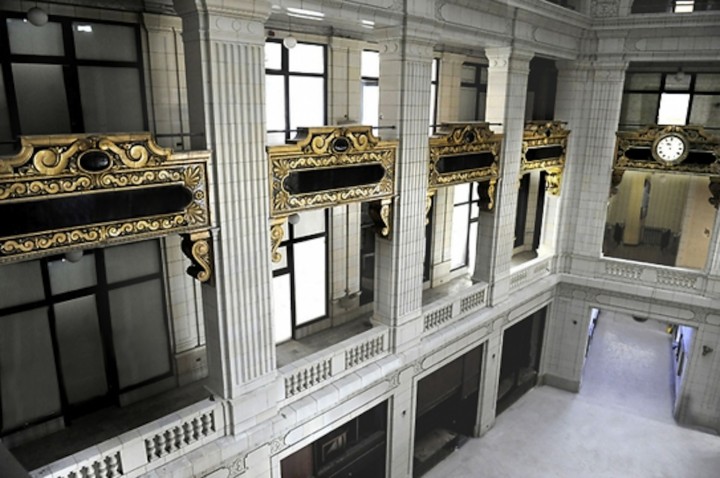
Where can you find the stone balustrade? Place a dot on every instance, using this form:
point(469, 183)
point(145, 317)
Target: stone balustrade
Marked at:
point(656, 276)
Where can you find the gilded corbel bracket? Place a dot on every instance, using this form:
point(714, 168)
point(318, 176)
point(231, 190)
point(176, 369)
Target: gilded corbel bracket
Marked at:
point(197, 246)
point(486, 194)
point(553, 181)
point(428, 204)
point(277, 232)
point(714, 187)
point(381, 214)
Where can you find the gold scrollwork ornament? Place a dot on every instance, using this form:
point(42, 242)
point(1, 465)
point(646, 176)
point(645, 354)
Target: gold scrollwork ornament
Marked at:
point(380, 213)
point(277, 233)
point(197, 247)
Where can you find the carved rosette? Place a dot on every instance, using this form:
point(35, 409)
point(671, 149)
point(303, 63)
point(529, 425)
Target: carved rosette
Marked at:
point(463, 139)
point(121, 185)
point(546, 141)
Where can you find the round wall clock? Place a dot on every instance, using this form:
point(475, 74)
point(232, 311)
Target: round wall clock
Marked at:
point(670, 148)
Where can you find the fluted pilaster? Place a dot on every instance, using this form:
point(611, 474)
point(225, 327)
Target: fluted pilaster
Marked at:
point(226, 82)
point(508, 72)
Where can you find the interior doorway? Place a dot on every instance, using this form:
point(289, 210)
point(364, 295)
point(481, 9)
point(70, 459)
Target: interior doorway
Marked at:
point(636, 364)
point(520, 364)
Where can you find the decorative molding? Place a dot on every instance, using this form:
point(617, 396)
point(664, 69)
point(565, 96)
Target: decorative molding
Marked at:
point(437, 317)
point(544, 147)
point(96, 190)
point(463, 153)
point(622, 270)
point(180, 435)
point(307, 377)
point(197, 247)
point(381, 215)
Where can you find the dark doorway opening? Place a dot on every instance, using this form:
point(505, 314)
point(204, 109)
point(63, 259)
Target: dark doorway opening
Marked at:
point(355, 449)
point(447, 405)
point(522, 348)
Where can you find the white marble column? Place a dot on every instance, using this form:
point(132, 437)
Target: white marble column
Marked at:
point(506, 92)
point(589, 98)
point(344, 92)
point(224, 48)
point(405, 67)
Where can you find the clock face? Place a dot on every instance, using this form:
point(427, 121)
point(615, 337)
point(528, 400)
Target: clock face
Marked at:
point(670, 148)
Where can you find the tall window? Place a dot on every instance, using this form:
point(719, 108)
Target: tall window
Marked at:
point(671, 98)
point(464, 226)
point(295, 88)
point(433, 95)
point(300, 279)
point(473, 90)
point(70, 76)
point(370, 73)
point(77, 332)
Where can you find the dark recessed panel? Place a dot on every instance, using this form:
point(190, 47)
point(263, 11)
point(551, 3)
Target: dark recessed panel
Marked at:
point(91, 208)
point(639, 154)
point(701, 158)
point(315, 180)
point(545, 152)
point(464, 162)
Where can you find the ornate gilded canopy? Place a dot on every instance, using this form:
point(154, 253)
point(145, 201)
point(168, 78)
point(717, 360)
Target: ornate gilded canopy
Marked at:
point(669, 149)
point(544, 147)
point(70, 192)
point(329, 166)
point(463, 153)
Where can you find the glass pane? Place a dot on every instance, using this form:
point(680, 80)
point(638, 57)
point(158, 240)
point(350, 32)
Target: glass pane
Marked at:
point(283, 262)
point(673, 108)
point(311, 222)
point(474, 196)
point(275, 103)
point(480, 115)
point(275, 139)
point(40, 92)
point(707, 82)
point(27, 39)
point(66, 275)
point(431, 122)
point(459, 236)
point(474, 210)
point(461, 193)
point(468, 99)
point(29, 382)
point(467, 74)
point(472, 247)
point(370, 104)
point(483, 75)
point(370, 64)
point(132, 260)
point(307, 101)
point(643, 81)
point(111, 99)
point(5, 132)
point(434, 71)
point(638, 109)
point(99, 41)
point(306, 58)
point(139, 332)
point(677, 81)
point(705, 111)
point(310, 279)
point(81, 351)
point(273, 55)
point(20, 283)
point(281, 308)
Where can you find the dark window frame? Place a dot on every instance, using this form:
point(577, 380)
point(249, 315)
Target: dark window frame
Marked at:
point(101, 292)
point(470, 221)
point(289, 269)
point(479, 87)
point(286, 73)
point(71, 65)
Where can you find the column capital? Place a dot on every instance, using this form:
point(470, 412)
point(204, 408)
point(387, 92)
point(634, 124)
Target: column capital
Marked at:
point(408, 43)
point(509, 58)
point(223, 20)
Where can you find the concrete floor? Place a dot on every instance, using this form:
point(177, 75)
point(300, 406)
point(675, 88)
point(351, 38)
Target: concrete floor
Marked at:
point(618, 426)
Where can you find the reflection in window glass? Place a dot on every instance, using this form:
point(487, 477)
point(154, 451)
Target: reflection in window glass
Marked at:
point(281, 308)
point(27, 39)
point(100, 41)
point(5, 131)
point(273, 55)
point(305, 58)
point(20, 283)
point(111, 99)
point(42, 103)
point(307, 101)
point(660, 218)
point(707, 82)
point(705, 110)
point(643, 81)
point(66, 275)
point(459, 236)
point(129, 261)
point(468, 100)
point(638, 109)
point(310, 288)
point(673, 108)
point(370, 64)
